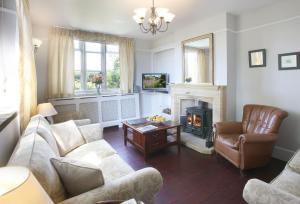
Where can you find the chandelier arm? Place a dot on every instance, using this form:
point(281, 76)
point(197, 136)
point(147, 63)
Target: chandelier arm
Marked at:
point(143, 28)
point(167, 26)
point(160, 23)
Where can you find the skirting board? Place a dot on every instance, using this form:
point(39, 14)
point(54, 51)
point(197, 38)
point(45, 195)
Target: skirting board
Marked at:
point(282, 153)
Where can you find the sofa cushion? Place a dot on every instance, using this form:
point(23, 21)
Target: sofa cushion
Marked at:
point(41, 126)
point(77, 176)
point(288, 181)
point(34, 153)
point(113, 167)
point(67, 136)
point(231, 140)
point(92, 152)
point(294, 162)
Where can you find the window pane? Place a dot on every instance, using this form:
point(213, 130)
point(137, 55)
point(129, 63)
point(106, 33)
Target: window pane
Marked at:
point(112, 70)
point(90, 75)
point(77, 60)
point(112, 48)
point(76, 44)
point(93, 47)
point(93, 66)
point(93, 61)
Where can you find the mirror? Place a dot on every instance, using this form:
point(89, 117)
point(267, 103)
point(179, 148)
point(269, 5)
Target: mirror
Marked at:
point(198, 60)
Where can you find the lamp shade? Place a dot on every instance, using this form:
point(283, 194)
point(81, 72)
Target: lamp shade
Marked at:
point(46, 109)
point(18, 185)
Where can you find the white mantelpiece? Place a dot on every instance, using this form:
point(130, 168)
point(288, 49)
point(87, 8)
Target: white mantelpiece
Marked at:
point(214, 95)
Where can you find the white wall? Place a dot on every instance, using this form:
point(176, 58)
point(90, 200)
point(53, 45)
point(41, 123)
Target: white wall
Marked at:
point(223, 55)
point(275, 28)
point(8, 56)
point(41, 60)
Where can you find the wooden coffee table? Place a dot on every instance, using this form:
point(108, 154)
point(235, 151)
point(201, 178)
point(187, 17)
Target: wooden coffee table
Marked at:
point(151, 141)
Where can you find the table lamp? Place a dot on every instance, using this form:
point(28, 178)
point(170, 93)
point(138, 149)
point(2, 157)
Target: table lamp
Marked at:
point(47, 110)
point(18, 185)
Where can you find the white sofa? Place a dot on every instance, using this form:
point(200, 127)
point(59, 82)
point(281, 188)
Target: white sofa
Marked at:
point(284, 189)
point(121, 182)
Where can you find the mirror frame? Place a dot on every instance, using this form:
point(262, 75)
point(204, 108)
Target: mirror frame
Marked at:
point(210, 36)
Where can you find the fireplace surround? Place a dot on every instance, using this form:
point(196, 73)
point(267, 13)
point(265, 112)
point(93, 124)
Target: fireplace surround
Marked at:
point(189, 95)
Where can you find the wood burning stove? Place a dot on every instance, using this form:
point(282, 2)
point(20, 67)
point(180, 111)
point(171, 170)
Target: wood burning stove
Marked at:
point(198, 121)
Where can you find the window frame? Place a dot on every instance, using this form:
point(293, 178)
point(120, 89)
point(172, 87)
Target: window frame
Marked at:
point(83, 72)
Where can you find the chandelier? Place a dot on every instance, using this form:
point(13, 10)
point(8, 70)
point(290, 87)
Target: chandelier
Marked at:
point(158, 19)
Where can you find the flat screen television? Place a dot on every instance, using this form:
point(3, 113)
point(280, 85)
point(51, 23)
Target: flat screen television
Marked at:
point(155, 81)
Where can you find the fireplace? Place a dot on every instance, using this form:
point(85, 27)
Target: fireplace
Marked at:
point(198, 121)
point(184, 96)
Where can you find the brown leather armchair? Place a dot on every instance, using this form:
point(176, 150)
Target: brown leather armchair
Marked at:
point(249, 144)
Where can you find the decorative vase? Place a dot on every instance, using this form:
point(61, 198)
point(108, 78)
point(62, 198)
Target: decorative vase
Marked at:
point(98, 86)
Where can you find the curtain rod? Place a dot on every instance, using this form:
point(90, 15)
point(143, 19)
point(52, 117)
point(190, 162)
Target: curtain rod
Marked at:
point(91, 31)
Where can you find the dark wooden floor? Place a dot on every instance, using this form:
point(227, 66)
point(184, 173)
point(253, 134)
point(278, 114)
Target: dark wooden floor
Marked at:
point(191, 177)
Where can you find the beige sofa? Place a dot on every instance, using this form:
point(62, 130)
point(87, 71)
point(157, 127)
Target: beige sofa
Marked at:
point(284, 189)
point(121, 182)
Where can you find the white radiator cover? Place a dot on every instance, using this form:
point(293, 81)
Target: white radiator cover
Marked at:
point(105, 109)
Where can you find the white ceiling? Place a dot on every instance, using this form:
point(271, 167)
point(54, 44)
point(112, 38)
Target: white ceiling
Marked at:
point(115, 16)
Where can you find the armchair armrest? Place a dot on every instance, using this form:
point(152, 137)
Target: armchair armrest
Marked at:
point(258, 138)
point(82, 122)
point(255, 149)
point(91, 132)
point(141, 185)
point(259, 192)
point(229, 127)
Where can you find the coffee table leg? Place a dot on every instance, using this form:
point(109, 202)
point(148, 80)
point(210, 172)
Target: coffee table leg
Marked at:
point(178, 139)
point(125, 134)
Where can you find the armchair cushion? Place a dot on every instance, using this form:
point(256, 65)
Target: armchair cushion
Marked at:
point(41, 126)
point(92, 152)
point(82, 122)
point(92, 132)
point(77, 176)
point(67, 136)
point(231, 140)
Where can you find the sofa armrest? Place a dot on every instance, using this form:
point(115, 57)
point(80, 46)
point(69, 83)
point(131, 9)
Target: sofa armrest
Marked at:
point(259, 192)
point(82, 122)
point(229, 128)
point(91, 132)
point(141, 185)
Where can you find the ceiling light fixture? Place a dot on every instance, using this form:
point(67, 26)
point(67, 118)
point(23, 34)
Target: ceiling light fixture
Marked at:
point(158, 20)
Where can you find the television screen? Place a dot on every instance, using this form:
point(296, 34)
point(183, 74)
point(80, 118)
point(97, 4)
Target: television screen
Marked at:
point(154, 81)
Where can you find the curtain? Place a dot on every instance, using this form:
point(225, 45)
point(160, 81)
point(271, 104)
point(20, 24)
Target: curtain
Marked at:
point(126, 65)
point(60, 63)
point(202, 66)
point(27, 70)
point(196, 65)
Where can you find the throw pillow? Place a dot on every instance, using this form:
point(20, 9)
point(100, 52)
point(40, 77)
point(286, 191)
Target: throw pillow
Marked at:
point(77, 176)
point(67, 136)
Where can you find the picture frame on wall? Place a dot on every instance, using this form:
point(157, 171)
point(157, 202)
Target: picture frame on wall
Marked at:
point(289, 61)
point(257, 58)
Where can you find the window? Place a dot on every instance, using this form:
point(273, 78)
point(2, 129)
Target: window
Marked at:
point(92, 58)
